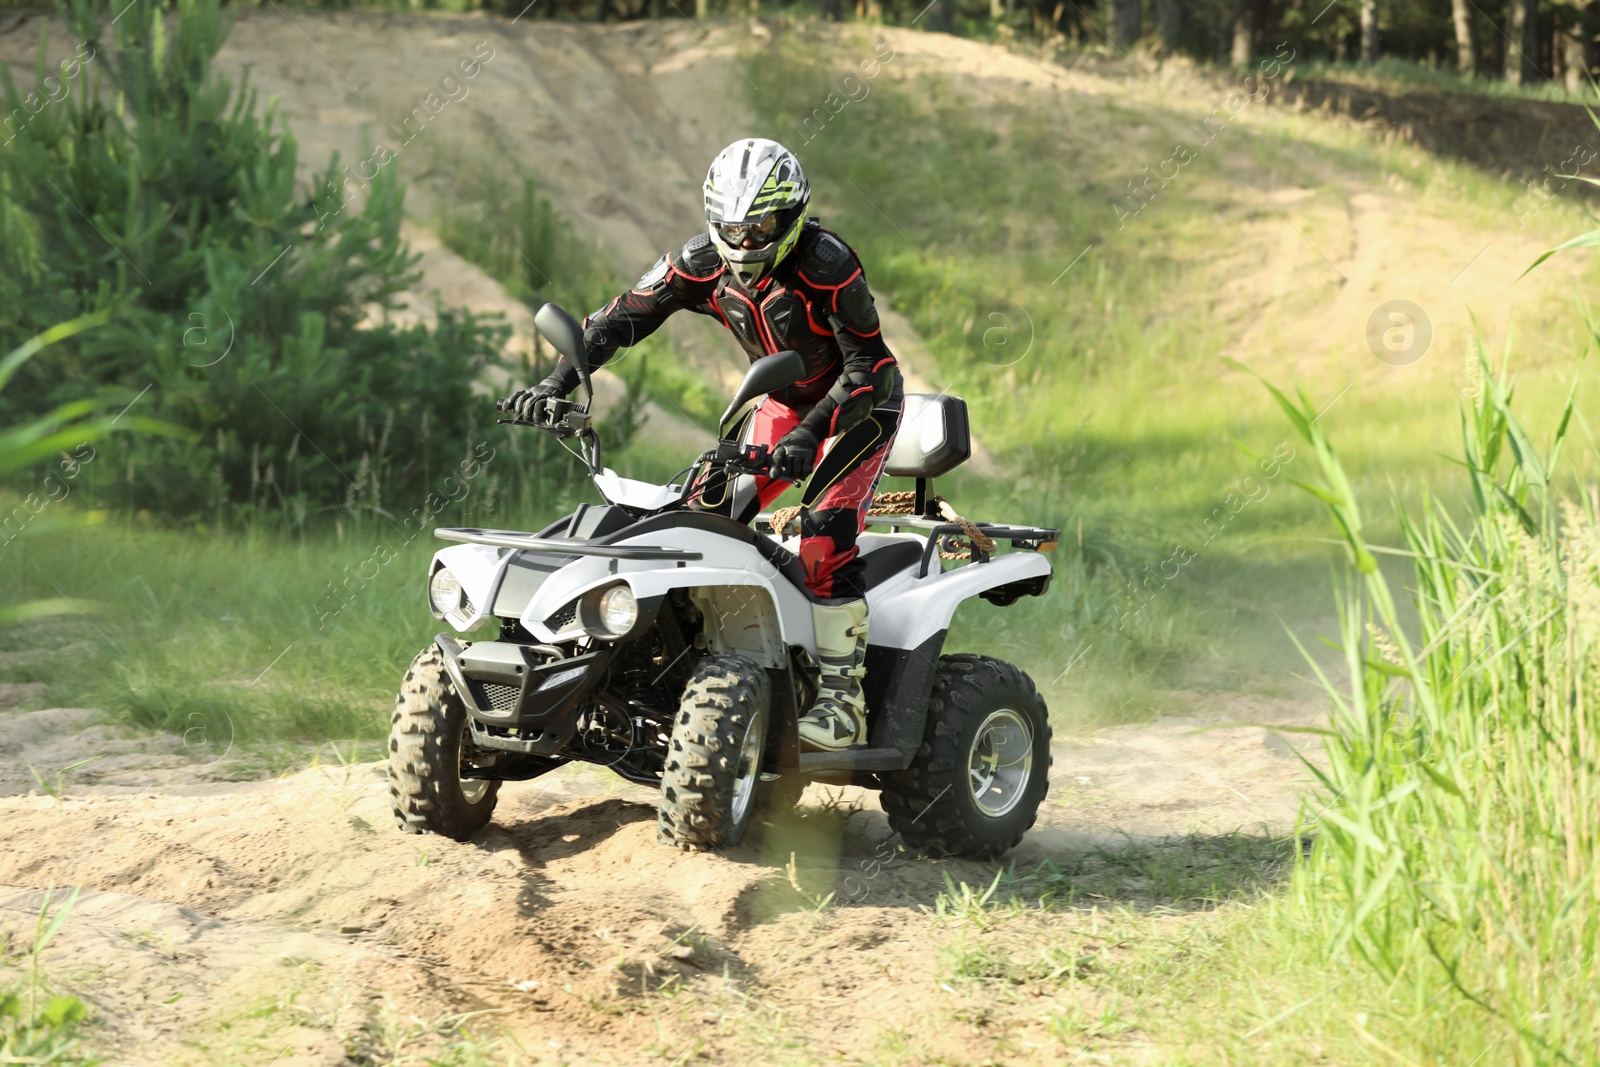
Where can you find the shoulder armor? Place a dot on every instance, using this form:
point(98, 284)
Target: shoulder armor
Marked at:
point(856, 309)
point(826, 259)
point(653, 278)
point(699, 258)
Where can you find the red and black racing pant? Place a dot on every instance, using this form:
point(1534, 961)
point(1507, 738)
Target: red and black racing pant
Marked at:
point(836, 498)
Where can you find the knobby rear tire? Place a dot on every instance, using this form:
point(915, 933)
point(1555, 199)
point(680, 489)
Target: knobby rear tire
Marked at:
point(426, 735)
point(931, 803)
point(726, 696)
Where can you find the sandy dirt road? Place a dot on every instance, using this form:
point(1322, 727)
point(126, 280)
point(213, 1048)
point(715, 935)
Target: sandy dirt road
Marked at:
point(284, 920)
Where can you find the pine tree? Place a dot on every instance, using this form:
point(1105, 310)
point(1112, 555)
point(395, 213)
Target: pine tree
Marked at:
point(149, 187)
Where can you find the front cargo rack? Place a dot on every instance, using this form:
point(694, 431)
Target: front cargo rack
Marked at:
point(473, 535)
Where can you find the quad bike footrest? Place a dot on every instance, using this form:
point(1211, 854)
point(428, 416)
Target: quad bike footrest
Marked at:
point(855, 759)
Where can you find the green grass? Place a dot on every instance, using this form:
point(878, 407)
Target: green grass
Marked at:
point(1392, 73)
point(1124, 335)
point(1233, 986)
point(233, 635)
point(1182, 951)
point(222, 637)
point(378, 1034)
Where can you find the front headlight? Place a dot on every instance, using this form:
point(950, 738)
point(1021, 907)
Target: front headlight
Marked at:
point(614, 613)
point(444, 593)
point(618, 610)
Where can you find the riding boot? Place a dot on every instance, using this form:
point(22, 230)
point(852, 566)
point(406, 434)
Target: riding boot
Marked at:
point(838, 718)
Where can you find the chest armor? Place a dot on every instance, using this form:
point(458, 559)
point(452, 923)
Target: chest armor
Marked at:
point(783, 316)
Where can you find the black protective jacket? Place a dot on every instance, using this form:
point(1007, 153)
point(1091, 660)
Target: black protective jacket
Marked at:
point(815, 302)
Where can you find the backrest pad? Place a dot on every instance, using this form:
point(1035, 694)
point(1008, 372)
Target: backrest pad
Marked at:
point(934, 438)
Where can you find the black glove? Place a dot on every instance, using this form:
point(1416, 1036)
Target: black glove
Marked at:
point(795, 456)
point(529, 404)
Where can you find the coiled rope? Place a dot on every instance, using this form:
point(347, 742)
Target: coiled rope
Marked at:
point(904, 502)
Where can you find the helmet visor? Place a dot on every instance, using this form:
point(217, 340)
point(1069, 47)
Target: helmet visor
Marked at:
point(751, 234)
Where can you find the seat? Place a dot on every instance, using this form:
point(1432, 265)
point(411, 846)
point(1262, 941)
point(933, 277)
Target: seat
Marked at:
point(934, 437)
point(888, 557)
point(888, 560)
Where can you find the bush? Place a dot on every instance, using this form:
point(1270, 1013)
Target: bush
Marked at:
point(142, 185)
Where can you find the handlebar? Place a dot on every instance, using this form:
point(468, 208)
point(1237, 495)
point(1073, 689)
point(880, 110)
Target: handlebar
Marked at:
point(564, 418)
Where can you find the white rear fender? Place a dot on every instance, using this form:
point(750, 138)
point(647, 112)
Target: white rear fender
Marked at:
point(911, 612)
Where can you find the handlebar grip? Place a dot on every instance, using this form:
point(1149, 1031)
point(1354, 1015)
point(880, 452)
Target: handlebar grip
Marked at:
point(503, 404)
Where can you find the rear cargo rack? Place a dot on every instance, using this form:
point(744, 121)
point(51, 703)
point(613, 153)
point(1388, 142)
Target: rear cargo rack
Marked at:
point(1021, 536)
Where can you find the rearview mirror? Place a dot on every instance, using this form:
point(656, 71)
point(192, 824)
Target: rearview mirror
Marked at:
point(765, 375)
point(564, 334)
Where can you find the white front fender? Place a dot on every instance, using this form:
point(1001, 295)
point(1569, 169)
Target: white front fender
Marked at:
point(724, 562)
point(478, 569)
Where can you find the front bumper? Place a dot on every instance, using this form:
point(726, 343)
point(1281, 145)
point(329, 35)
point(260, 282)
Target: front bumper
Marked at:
point(519, 699)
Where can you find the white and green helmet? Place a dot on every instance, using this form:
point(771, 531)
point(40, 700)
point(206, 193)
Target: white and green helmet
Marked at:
point(756, 197)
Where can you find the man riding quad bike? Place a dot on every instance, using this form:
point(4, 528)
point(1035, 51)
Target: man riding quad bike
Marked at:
point(658, 634)
point(779, 281)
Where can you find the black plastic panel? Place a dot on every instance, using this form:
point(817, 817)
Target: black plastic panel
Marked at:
point(525, 573)
point(898, 684)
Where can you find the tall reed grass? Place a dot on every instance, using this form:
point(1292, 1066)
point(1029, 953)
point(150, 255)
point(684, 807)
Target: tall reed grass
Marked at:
point(36, 1025)
point(1457, 840)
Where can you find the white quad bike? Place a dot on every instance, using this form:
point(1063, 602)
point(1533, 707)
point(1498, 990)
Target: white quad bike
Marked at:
point(675, 646)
